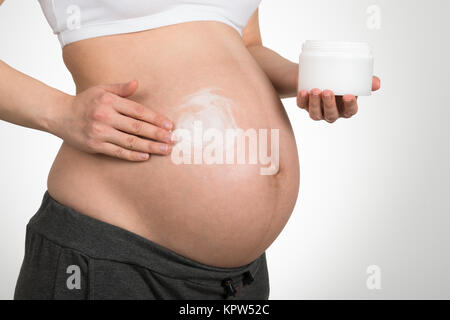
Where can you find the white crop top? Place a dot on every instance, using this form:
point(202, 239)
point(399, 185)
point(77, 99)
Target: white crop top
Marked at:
point(74, 20)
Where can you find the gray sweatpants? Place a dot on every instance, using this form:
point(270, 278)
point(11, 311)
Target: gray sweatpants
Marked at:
point(69, 255)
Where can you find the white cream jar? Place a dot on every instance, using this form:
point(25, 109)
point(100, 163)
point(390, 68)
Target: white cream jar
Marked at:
point(342, 67)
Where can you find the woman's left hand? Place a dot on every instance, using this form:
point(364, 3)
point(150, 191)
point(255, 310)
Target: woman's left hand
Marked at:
point(326, 106)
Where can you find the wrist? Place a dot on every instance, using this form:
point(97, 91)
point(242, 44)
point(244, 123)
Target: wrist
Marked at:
point(291, 74)
point(53, 121)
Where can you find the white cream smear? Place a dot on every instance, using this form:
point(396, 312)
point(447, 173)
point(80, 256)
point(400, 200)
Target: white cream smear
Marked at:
point(213, 110)
point(207, 132)
point(204, 119)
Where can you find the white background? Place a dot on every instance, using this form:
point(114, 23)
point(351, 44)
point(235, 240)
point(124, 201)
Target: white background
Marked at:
point(374, 189)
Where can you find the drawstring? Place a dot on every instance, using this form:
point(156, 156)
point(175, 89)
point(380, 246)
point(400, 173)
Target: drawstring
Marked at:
point(230, 288)
point(248, 278)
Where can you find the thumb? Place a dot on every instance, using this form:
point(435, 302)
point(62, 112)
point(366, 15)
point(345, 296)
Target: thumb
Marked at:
point(376, 83)
point(123, 90)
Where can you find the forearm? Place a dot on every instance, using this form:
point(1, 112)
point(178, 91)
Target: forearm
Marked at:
point(282, 73)
point(28, 102)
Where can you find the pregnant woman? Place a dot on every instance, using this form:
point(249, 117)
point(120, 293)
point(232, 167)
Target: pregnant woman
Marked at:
point(123, 218)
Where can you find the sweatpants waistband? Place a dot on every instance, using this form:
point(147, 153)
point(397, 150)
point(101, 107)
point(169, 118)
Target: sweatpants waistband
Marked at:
point(96, 239)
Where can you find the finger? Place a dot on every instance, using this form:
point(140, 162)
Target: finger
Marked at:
point(302, 99)
point(340, 106)
point(115, 151)
point(376, 83)
point(134, 143)
point(350, 106)
point(141, 128)
point(330, 110)
point(123, 90)
point(138, 111)
point(315, 108)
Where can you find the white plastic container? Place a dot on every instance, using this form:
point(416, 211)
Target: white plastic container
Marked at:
point(342, 67)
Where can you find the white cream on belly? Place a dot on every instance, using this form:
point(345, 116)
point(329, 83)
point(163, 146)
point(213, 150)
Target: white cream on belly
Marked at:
point(205, 118)
point(213, 110)
point(207, 133)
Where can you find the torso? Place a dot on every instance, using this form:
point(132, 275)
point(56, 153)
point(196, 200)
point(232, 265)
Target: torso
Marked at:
point(222, 215)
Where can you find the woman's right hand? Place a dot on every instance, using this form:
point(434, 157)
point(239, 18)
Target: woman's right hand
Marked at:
point(101, 120)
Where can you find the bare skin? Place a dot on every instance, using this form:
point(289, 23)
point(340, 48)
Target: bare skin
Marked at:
point(221, 215)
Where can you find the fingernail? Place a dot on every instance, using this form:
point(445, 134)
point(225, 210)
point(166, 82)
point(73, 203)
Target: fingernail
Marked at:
point(170, 137)
point(327, 95)
point(144, 156)
point(164, 148)
point(167, 125)
point(347, 98)
point(175, 137)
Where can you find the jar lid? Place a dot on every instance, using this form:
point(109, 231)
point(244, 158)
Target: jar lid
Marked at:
point(322, 46)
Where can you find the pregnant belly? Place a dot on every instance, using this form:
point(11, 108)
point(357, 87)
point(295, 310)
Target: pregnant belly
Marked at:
point(231, 182)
